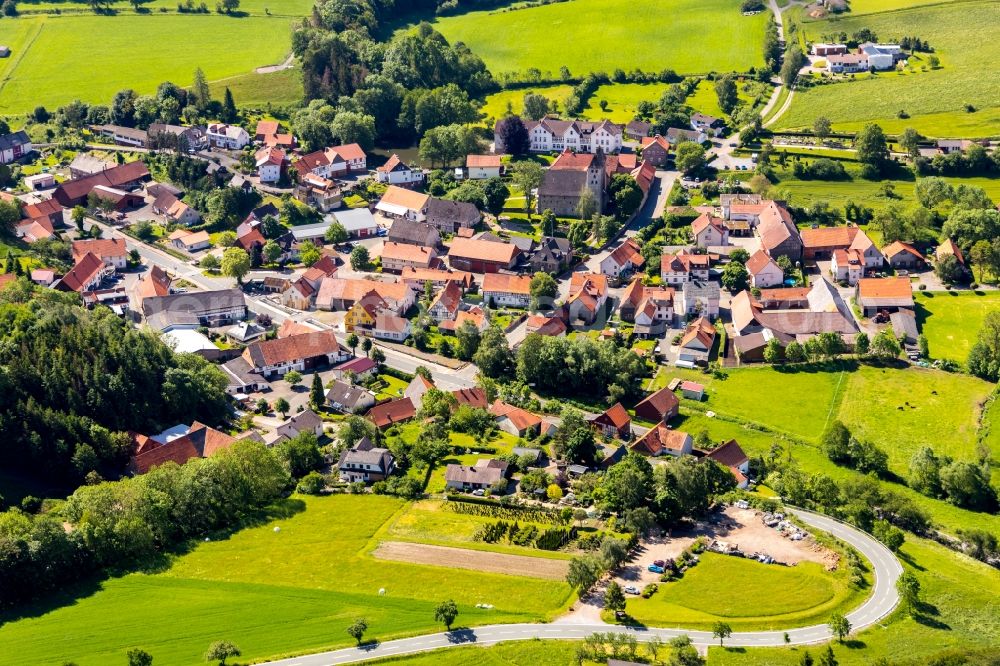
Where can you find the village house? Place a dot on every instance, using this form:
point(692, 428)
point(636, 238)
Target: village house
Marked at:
point(474, 315)
point(709, 231)
point(122, 177)
point(413, 233)
point(85, 276)
point(684, 267)
point(303, 352)
point(189, 241)
point(777, 232)
point(304, 421)
point(655, 150)
point(340, 294)
point(417, 278)
point(565, 181)
point(112, 251)
point(903, 255)
point(636, 130)
point(174, 210)
point(332, 162)
point(358, 222)
point(949, 248)
point(651, 309)
point(867, 57)
point(482, 167)
point(486, 473)
point(177, 445)
point(709, 125)
point(245, 332)
point(660, 440)
point(122, 136)
point(824, 50)
point(14, 146)
point(551, 255)
point(349, 398)
point(401, 203)
point(847, 266)
point(358, 367)
point(366, 463)
point(361, 315)
point(179, 136)
point(731, 455)
point(397, 256)
point(625, 259)
point(391, 413)
point(514, 420)
point(553, 327)
point(39, 181)
point(700, 298)
point(416, 390)
point(505, 290)
point(660, 405)
point(889, 294)
point(554, 135)
point(321, 193)
point(613, 422)
point(85, 164)
point(482, 256)
point(269, 163)
point(450, 216)
point(587, 297)
point(229, 137)
point(696, 343)
point(446, 303)
point(676, 135)
point(764, 271)
point(390, 327)
point(397, 172)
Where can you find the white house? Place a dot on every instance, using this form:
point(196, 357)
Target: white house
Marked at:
point(305, 421)
point(501, 289)
point(847, 266)
point(391, 327)
point(399, 202)
point(710, 125)
point(552, 134)
point(231, 137)
point(481, 167)
point(870, 254)
point(709, 231)
point(683, 267)
point(397, 172)
point(625, 258)
point(764, 271)
point(14, 146)
point(269, 162)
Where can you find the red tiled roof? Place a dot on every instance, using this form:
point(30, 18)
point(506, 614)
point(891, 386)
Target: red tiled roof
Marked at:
point(729, 454)
point(282, 350)
point(102, 247)
point(473, 397)
point(617, 416)
point(483, 250)
point(658, 439)
point(662, 402)
point(83, 272)
point(394, 411)
point(900, 247)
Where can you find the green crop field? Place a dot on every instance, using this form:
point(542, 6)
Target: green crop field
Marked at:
point(951, 320)
point(272, 593)
point(687, 36)
point(934, 100)
point(706, 595)
point(874, 6)
point(130, 50)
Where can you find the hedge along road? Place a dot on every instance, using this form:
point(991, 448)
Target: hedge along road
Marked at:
point(886, 569)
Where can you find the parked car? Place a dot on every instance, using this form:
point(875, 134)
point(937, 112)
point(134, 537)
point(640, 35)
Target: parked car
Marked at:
point(620, 616)
point(659, 563)
point(656, 568)
point(631, 589)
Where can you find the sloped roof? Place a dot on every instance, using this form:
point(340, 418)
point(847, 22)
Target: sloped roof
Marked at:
point(729, 454)
point(775, 226)
point(827, 237)
point(899, 247)
point(482, 250)
point(394, 411)
point(661, 401)
point(759, 261)
point(282, 350)
point(658, 439)
point(400, 196)
point(702, 331)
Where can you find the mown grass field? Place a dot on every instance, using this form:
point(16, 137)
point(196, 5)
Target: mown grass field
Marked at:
point(961, 611)
point(690, 37)
point(966, 38)
point(866, 400)
point(272, 593)
point(57, 59)
point(706, 594)
point(252, 89)
point(951, 320)
point(622, 99)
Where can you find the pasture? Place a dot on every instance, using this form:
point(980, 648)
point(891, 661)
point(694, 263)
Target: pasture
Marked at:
point(45, 67)
point(706, 595)
point(689, 37)
point(272, 593)
point(966, 76)
point(951, 320)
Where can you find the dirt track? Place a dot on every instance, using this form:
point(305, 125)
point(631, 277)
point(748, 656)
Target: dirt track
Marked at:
point(461, 558)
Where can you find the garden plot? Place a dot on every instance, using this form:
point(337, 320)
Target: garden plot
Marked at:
point(461, 558)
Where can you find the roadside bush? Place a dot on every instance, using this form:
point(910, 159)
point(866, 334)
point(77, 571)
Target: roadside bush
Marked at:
point(649, 590)
point(312, 483)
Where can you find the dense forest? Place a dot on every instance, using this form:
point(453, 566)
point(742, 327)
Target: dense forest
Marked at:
point(73, 382)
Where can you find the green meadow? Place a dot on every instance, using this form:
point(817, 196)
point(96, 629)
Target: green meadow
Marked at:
point(966, 38)
point(959, 611)
point(951, 320)
point(687, 36)
point(57, 59)
point(272, 592)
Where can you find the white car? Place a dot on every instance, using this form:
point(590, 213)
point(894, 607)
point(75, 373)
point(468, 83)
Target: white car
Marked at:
point(631, 589)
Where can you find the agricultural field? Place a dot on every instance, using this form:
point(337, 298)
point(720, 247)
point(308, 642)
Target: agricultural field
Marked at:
point(934, 100)
point(951, 320)
point(693, 38)
point(496, 104)
point(253, 89)
point(44, 66)
point(271, 592)
point(960, 612)
point(705, 595)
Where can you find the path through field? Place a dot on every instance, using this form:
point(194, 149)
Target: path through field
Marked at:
point(477, 560)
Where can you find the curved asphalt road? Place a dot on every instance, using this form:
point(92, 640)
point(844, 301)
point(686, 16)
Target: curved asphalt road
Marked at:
point(883, 599)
